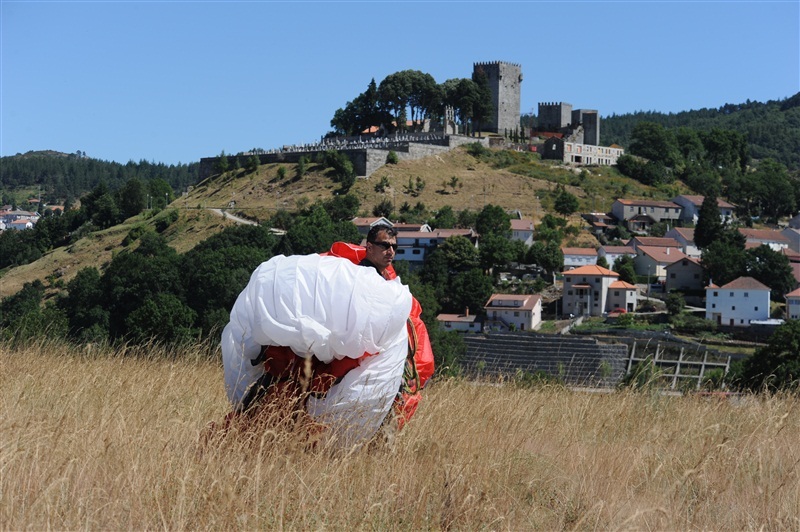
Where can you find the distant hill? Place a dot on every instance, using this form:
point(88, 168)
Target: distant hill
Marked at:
point(70, 175)
point(772, 129)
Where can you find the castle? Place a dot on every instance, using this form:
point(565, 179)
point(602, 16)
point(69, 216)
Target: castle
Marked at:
point(577, 140)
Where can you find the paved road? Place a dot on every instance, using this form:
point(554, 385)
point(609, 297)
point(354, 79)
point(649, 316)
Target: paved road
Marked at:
point(236, 219)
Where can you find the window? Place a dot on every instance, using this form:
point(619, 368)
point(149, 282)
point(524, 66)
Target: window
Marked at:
point(716, 294)
point(733, 307)
point(516, 314)
point(416, 251)
point(569, 279)
point(672, 276)
point(756, 309)
point(713, 305)
point(746, 295)
point(401, 252)
point(616, 292)
point(697, 276)
point(569, 292)
point(731, 294)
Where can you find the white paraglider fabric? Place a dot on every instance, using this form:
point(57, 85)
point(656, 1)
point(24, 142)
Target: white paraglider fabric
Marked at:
point(330, 308)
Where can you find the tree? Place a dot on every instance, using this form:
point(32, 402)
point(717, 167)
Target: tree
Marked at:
point(493, 220)
point(775, 366)
point(602, 262)
point(624, 267)
point(724, 259)
point(342, 207)
point(771, 268)
point(88, 320)
point(495, 251)
point(777, 197)
point(675, 303)
point(565, 203)
point(384, 208)
point(444, 218)
point(709, 224)
point(132, 198)
point(652, 141)
point(548, 255)
point(222, 165)
point(470, 290)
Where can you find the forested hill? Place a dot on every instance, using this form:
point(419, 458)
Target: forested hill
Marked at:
point(63, 175)
point(772, 129)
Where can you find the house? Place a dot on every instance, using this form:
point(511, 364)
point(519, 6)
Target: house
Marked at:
point(654, 242)
point(639, 215)
point(599, 222)
point(684, 236)
point(459, 322)
point(422, 228)
point(522, 312)
point(794, 262)
point(586, 291)
point(576, 153)
point(365, 224)
point(684, 275)
point(653, 261)
point(691, 208)
point(737, 303)
point(577, 257)
point(522, 230)
point(20, 225)
point(612, 253)
point(622, 295)
point(793, 305)
point(792, 234)
point(414, 246)
point(769, 237)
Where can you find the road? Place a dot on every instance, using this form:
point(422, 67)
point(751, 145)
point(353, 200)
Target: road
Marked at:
point(236, 219)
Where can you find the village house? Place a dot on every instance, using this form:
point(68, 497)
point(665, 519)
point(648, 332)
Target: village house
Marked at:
point(577, 257)
point(414, 246)
point(599, 223)
point(653, 261)
point(684, 275)
point(653, 242)
point(365, 224)
point(522, 312)
point(691, 204)
point(459, 322)
point(793, 305)
point(684, 236)
point(640, 215)
point(622, 295)
point(737, 303)
point(612, 253)
point(586, 291)
point(792, 235)
point(768, 237)
point(522, 230)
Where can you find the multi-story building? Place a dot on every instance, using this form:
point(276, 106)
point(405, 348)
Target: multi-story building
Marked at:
point(586, 291)
point(691, 208)
point(737, 303)
point(522, 312)
point(577, 257)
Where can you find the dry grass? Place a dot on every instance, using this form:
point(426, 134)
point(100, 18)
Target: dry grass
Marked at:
point(110, 441)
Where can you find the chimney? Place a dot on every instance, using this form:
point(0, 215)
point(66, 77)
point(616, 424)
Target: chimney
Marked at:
point(466, 312)
point(667, 251)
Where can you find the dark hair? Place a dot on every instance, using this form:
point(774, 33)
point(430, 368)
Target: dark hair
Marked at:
point(375, 229)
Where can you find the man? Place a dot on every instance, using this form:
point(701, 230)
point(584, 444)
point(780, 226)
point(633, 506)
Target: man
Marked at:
point(381, 248)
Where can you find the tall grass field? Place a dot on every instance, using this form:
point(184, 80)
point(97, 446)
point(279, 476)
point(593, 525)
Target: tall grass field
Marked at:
point(99, 439)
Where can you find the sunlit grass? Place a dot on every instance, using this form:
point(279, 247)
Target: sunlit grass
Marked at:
point(95, 439)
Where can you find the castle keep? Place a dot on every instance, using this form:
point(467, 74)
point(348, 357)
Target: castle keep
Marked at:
point(505, 80)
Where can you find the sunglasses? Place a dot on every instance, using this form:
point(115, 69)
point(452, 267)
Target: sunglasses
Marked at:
point(385, 245)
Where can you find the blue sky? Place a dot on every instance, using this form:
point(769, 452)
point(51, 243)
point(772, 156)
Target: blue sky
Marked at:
point(176, 81)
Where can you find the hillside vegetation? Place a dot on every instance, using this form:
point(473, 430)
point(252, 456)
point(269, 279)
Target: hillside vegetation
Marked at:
point(772, 129)
point(108, 440)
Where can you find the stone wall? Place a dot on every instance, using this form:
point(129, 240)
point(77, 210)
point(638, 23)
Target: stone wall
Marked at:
point(365, 160)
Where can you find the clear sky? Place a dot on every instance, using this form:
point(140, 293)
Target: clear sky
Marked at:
point(176, 81)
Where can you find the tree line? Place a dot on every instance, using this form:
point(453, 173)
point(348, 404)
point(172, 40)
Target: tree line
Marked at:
point(65, 177)
point(416, 96)
point(771, 130)
point(715, 162)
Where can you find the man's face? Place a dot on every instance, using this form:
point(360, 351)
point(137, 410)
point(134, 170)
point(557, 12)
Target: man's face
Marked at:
point(380, 252)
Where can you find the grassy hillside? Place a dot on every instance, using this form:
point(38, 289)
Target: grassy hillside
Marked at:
point(103, 440)
point(512, 180)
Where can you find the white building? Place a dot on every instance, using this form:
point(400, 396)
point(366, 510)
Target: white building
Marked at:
point(793, 305)
point(522, 312)
point(737, 303)
point(685, 237)
point(586, 291)
point(459, 322)
point(577, 257)
point(522, 230)
point(691, 208)
point(622, 295)
point(414, 246)
point(612, 253)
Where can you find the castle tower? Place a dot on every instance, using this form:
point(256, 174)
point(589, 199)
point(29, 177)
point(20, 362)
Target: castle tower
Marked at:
point(554, 116)
point(505, 80)
point(590, 120)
